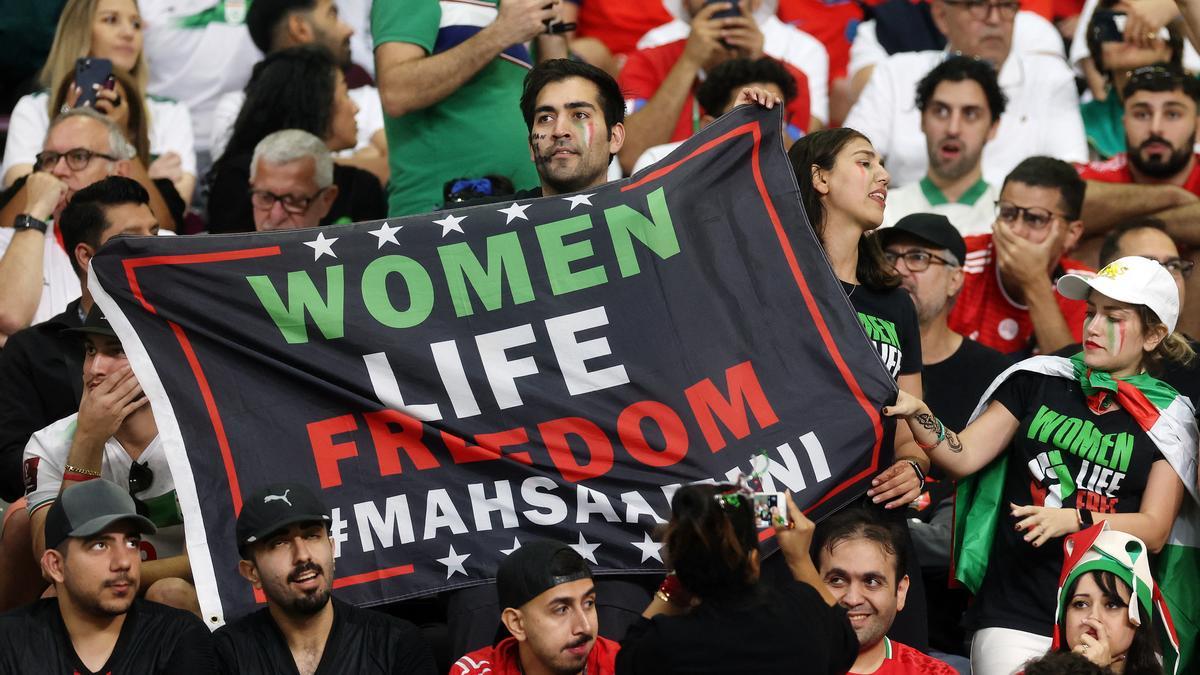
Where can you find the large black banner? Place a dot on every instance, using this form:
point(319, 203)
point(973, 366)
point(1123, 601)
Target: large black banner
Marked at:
point(457, 383)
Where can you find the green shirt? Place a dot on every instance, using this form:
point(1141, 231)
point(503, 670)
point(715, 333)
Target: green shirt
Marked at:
point(1104, 123)
point(476, 131)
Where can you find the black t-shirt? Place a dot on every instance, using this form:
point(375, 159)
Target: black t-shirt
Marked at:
point(361, 642)
point(154, 639)
point(784, 628)
point(890, 321)
point(953, 387)
point(1103, 462)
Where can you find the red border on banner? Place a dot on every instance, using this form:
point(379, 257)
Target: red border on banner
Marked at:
point(752, 128)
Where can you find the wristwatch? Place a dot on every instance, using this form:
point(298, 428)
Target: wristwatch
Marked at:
point(28, 222)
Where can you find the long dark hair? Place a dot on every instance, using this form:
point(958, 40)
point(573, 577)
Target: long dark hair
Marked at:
point(711, 538)
point(821, 149)
point(1142, 656)
point(289, 89)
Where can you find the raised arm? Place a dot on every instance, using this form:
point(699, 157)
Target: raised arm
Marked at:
point(958, 454)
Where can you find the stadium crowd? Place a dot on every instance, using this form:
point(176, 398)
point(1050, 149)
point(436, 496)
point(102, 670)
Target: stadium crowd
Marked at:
point(1007, 190)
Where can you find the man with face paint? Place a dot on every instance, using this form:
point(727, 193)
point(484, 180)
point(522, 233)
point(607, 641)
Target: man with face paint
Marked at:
point(287, 553)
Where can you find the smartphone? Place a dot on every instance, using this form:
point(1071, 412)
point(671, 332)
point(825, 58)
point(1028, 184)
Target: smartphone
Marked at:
point(88, 73)
point(770, 510)
point(726, 13)
point(1108, 26)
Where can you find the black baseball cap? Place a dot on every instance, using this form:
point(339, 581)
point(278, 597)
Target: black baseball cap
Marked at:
point(535, 568)
point(274, 507)
point(932, 228)
point(88, 508)
point(94, 323)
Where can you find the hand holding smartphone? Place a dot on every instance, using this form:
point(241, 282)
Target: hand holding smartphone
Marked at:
point(92, 74)
point(733, 11)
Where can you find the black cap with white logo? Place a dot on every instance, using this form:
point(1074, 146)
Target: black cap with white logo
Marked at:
point(275, 507)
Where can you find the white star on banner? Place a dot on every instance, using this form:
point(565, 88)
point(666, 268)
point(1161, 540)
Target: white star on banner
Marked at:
point(576, 200)
point(586, 550)
point(516, 545)
point(515, 211)
point(321, 246)
point(454, 562)
point(649, 548)
point(385, 234)
point(451, 222)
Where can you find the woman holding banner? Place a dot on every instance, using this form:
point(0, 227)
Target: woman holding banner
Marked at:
point(1058, 444)
point(843, 187)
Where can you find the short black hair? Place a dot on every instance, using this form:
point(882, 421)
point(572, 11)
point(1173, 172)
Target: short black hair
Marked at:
point(612, 104)
point(959, 69)
point(1112, 242)
point(723, 83)
point(85, 218)
point(1048, 172)
point(1064, 663)
point(860, 522)
point(1162, 78)
point(264, 16)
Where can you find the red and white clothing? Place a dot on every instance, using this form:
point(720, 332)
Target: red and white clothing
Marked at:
point(646, 70)
point(619, 24)
point(900, 659)
point(1116, 170)
point(984, 311)
point(504, 659)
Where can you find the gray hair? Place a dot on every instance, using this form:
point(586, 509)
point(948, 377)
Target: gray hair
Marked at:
point(290, 145)
point(118, 143)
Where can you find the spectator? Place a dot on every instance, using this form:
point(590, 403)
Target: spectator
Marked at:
point(41, 369)
point(1106, 607)
point(1064, 663)
point(861, 560)
point(297, 88)
point(659, 81)
point(1158, 173)
point(107, 29)
point(96, 623)
point(1009, 301)
point(549, 603)
point(81, 147)
point(291, 181)
point(961, 104)
point(279, 24)
point(835, 25)
point(738, 619)
point(447, 82)
point(1043, 108)
point(1147, 18)
point(1050, 480)
point(113, 437)
point(287, 553)
point(928, 254)
point(782, 42)
point(1115, 59)
point(719, 93)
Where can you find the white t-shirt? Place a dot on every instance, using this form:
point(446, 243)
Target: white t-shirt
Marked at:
point(782, 42)
point(60, 284)
point(974, 213)
point(196, 52)
point(1032, 34)
point(46, 454)
point(170, 130)
point(653, 154)
point(369, 118)
point(1042, 116)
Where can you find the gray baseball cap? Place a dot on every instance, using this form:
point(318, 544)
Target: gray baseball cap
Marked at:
point(89, 508)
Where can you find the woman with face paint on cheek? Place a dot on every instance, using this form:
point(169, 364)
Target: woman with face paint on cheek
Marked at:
point(1058, 444)
point(843, 187)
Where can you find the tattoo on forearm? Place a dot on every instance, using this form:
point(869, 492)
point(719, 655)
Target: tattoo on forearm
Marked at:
point(927, 421)
point(952, 439)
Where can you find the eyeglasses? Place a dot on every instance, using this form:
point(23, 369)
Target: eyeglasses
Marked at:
point(916, 260)
point(1035, 217)
point(980, 9)
point(77, 159)
point(1177, 266)
point(141, 477)
point(265, 201)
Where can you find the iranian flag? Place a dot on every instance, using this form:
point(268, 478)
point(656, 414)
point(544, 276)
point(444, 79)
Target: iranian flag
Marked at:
point(1170, 421)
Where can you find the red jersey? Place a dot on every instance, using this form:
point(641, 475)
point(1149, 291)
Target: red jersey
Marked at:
point(985, 313)
point(619, 24)
point(503, 659)
point(900, 659)
point(646, 69)
point(831, 21)
point(1116, 170)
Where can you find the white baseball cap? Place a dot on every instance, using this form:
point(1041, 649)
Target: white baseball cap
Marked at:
point(1132, 279)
